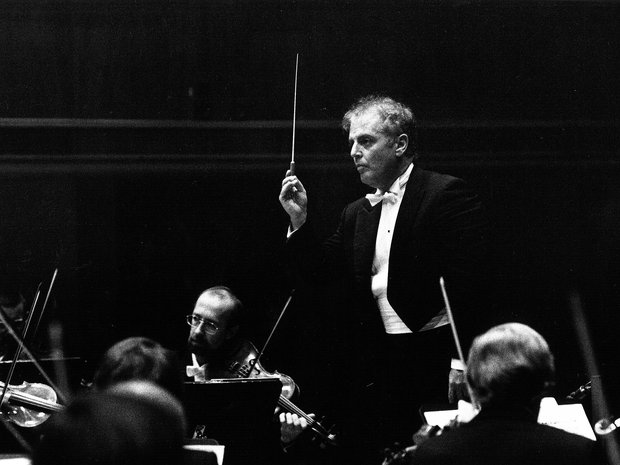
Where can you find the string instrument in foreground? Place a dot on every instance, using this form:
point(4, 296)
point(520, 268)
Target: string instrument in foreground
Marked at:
point(245, 363)
point(28, 404)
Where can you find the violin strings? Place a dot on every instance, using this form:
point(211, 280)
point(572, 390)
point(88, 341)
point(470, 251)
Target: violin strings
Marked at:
point(284, 402)
point(314, 424)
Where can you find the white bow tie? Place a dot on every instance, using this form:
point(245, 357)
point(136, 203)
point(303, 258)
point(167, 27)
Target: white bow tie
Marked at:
point(198, 373)
point(389, 197)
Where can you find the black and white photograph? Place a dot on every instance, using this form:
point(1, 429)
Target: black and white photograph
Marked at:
point(309, 232)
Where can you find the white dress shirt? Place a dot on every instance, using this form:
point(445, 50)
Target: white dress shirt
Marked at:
point(390, 204)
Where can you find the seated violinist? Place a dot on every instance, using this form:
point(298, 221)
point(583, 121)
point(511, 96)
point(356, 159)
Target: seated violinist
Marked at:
point(508, 371)
point(214, 345)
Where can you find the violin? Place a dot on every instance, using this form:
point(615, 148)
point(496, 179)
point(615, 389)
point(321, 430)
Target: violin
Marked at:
point(245, 363)
point(398, 455)
point(28, 404)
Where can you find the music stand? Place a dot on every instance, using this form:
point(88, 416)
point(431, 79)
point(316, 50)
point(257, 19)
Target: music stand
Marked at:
point(26, 371)
point(239, 414)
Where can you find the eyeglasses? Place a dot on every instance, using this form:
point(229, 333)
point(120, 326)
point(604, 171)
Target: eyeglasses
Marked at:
point(209, 327)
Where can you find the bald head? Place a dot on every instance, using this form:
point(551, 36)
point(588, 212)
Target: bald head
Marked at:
point(509, 364)
point(214, 322)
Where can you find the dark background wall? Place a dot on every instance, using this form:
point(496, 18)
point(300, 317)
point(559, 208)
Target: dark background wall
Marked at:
point(143, 143)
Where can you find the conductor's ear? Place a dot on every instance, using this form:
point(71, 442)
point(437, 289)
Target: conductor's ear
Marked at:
point(402, 142)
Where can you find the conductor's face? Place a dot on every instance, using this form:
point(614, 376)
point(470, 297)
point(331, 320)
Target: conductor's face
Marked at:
point(378, 156)
point(210, 324)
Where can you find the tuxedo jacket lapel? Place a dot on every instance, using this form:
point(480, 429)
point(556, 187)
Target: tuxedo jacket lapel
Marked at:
point(366, 225)
point(404, 229)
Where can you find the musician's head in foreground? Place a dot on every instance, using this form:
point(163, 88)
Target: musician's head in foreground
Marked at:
point(139, 358)
point(115, 428)
point(382, 139)
point(509, 365)
point(214, 321)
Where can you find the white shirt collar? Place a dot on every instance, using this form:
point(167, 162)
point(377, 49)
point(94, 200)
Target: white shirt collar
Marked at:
point(396, 188)
point(401, 181)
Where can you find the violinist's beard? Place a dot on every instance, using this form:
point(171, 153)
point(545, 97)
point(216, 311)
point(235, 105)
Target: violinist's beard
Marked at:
point(201, 348)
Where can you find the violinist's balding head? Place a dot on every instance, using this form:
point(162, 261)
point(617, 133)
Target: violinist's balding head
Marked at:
point(214, 321)
point(510, 364)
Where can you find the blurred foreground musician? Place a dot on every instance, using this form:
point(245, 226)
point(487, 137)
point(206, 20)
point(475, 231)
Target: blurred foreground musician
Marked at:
point(142, 367)
point(139, 358)
point(386, 258)
point(131, 423)
point(509, 370)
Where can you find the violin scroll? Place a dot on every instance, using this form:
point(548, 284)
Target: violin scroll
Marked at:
point(245, 364)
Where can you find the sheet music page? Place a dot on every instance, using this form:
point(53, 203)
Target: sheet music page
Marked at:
point(571, 418)
point(217, 450)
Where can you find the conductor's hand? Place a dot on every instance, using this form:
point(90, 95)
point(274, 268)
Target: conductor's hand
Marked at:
point(294, 200)
point(291, 426)
point(457, 387)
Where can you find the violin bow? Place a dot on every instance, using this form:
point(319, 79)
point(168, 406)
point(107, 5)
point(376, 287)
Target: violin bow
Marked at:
point(457, 342)
point(38, 366)
point(9, 427)
point(47, 296)
point(292, 166)
point(599, 401)
point(314, 424)
point(55, 337)
point(31, 315)
point(273, 330)
point(19, 346)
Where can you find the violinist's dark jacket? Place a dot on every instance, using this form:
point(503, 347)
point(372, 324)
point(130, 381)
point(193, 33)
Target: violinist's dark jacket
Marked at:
point(507, 437)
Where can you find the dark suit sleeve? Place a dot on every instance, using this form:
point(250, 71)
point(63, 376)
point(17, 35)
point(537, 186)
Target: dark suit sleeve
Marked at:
point(461, 229)
point(312, 260)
